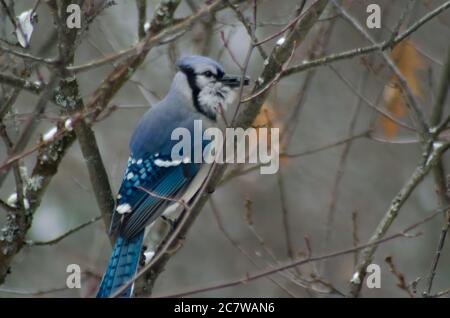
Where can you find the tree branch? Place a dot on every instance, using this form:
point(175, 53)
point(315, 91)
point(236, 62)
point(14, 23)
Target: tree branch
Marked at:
point(310, 259)
point(439, 171)
point(71, 102)
point(63, 236)
point(417, 176)
point(385, 45)
point(18, 82)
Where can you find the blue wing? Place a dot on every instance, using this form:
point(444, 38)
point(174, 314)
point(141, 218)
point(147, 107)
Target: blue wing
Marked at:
point(136, 207)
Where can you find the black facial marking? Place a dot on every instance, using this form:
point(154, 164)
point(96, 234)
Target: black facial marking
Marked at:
point(191, 77)
point(220, 73)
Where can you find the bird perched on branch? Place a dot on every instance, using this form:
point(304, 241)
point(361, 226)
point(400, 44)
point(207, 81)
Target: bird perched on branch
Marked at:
point(153, 180)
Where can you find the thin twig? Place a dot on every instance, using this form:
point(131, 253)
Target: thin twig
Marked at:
point(401, 282)
point(355, 237)
point(439, 170)
point(236, 244)
point(18, 82)
point(142, 14)
point(411, 101)
point(385, 45)
point(417, 176)
point(251, 277)
point(364, 134)
point(379, 110)
point(63, 236)
point(341, 166)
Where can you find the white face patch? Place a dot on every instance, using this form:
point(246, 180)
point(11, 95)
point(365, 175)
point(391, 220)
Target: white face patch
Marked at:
point(215, 95)
point(123, 208)
point(202, 80)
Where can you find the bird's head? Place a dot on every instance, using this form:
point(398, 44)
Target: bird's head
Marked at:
point(211, 89)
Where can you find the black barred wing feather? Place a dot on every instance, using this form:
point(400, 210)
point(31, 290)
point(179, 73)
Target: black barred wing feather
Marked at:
point(147, 185)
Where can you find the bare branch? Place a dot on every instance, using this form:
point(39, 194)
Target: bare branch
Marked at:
point(142, 17)
point(417, 176)
point(401, 282)
point(439, 172)
point(341, 166)
point(18, 82)
point(251, 277)
point(29, 57)
point(413, 105)
point(388, 44)
point(63, 236)
point(236, 245)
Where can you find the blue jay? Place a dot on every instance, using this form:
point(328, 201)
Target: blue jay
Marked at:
point(198, 91)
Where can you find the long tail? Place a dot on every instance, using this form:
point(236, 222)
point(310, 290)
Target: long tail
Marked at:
point(122, 266)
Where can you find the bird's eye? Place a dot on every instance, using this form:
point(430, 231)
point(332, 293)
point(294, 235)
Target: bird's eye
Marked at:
point(208, 73)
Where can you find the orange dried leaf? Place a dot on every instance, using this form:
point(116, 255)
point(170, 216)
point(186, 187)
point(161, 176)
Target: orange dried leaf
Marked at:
point(409, 62)
point(267, 118)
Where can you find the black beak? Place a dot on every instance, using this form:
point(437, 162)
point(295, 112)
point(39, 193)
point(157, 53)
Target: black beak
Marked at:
point(234, 80)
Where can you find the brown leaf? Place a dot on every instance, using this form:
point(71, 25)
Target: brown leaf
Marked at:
point(409, 62)
point(268, 118)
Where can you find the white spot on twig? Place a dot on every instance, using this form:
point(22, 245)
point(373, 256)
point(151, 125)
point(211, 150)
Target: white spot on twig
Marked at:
point(68, 124)
point(433, 130)
point(48, 136)
point(146, 26)
point(437, 145)
point(355, 279)
point(25, 27)
point(281, 41)
point(26, 204)
point(12, 200)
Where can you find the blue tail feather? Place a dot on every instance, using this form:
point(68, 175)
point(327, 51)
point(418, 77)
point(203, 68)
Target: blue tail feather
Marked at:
point(122, 266)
